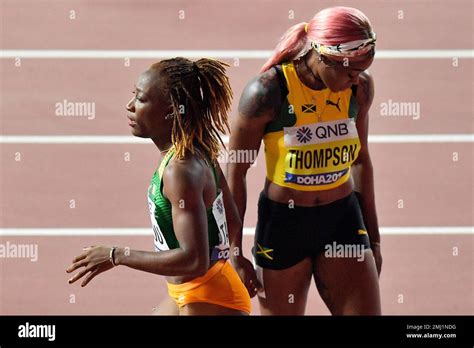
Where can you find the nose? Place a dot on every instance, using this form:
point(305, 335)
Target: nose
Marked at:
point(131, 105)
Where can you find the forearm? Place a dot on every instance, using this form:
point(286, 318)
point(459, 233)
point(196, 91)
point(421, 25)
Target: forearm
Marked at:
point(363, 175)
point(175, 262)
point(235, 234)
point(238, 188)
point(238, 192)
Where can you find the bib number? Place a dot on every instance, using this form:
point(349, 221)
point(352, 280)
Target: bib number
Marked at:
point(220, 251)
point(159, 240)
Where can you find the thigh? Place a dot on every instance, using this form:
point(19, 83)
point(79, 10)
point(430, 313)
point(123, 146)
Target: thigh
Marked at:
point(348, 285)
point(167, 307)
point(285, 291)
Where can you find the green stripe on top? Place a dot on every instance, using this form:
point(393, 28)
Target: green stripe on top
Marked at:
point(284, 119)
point(353, 106)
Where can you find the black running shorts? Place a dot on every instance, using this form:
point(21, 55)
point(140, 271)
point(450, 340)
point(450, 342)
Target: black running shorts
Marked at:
point(285, 234)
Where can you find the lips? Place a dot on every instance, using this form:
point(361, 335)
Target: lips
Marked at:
point(131, 121)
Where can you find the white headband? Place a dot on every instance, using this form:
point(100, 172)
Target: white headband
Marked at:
point(348, 49)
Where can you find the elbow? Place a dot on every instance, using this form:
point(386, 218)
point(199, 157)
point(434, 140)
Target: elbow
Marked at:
point(237, 171)
point(199, 266)
point(363, 161)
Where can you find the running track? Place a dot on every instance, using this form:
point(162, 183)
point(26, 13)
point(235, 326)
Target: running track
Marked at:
point(425, 164)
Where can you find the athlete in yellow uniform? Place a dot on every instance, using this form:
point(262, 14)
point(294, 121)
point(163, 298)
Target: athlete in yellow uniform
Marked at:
point(314, 143)
point(316, 213)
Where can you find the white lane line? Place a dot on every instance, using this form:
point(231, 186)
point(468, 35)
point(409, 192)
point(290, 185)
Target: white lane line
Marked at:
point(421, 138)
point(248, 231)
point(427, 230)
point(72, 139)
point(230, 54)
point(126, 139)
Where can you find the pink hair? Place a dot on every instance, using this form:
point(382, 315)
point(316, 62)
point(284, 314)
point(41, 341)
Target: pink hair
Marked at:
point(330, 26)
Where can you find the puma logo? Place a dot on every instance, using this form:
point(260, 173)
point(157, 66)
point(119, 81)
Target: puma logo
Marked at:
point(328, 102)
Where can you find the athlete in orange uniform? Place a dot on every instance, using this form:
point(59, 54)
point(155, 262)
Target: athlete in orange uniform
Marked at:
point(182, 106)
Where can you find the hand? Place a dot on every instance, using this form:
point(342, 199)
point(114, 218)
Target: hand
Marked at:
point(377, 256)
point(247, 274)
point(95, 259)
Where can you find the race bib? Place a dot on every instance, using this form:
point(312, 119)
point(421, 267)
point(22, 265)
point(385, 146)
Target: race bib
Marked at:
point(220, 251)
point(159, 240)
point(321, 153)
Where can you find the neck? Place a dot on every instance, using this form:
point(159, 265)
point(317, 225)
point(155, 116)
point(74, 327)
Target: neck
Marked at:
point(308, 71)
point(162, 145)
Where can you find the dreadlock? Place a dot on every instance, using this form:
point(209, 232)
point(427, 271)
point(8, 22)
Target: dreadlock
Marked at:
point(201, 98)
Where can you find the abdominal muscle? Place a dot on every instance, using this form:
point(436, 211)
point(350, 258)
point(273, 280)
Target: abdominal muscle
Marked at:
point(285, 195)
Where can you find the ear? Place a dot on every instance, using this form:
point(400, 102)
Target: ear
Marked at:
point(169, 112)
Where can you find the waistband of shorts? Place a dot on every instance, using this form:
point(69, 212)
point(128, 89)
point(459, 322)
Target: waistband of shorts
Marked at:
point(192, 284)
point(332, 205)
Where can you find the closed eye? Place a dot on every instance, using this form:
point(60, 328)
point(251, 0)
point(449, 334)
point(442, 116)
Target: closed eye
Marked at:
point(137, 97)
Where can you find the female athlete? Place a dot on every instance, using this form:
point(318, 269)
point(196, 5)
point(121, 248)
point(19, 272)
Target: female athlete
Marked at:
point(316, 213)
point(182, 106)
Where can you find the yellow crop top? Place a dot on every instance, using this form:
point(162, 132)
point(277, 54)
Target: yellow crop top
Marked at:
point(313, 142)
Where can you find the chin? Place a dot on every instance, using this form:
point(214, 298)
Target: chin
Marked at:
point(137, 133)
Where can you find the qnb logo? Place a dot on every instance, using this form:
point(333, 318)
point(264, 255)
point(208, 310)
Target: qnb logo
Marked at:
point(37, 331)
point(303, 134)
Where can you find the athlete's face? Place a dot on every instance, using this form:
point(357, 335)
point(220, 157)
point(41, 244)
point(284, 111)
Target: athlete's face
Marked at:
point(148, 108)
point(340, 73)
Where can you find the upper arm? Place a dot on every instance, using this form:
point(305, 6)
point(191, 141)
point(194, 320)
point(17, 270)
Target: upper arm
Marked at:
point(259, 102)
point(364, 97)
point(234, 223)
point(184, 186)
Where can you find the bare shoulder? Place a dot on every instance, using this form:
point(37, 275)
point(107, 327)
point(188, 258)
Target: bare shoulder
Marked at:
point(365, 92)
point(184, 176)
point(262, 95)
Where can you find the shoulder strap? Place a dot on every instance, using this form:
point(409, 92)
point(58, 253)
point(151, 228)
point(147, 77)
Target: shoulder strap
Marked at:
point(216, 177)
point(354, 90)
point(169, 155)
point(282, 81)
point(353, 105)
point(165, 161)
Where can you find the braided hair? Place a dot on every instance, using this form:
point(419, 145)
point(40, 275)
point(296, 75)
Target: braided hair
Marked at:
point(201, 97)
